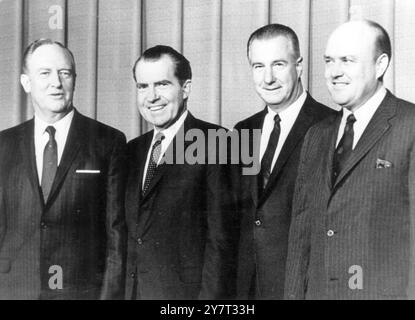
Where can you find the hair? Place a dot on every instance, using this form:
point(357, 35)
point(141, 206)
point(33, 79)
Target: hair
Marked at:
point(43, 42)
point(182, 69)
point(382, 40)
point(273, 31)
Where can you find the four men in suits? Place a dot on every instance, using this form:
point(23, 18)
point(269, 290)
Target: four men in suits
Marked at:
point(352, 235)
point(266, 198)
point(180, 214)
point(62, 233)
point(347, 233)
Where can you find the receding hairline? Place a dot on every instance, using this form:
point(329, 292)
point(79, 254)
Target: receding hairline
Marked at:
point(296, 54)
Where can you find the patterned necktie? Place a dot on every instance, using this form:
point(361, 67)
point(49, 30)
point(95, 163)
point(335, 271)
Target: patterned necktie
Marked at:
point(50, 163)
point(345, 147)
point(152, 163)
point(266, 161)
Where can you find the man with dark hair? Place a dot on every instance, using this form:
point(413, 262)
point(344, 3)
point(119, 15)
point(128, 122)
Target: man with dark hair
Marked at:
point(265, 199)
point(180, 215)
point(353, 228)
point(62, 179)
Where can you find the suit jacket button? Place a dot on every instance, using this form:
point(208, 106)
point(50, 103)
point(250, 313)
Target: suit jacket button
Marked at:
point(132, 274)
point(258, 223)
point(330, 233)
point(43, 225)
point(139, 241)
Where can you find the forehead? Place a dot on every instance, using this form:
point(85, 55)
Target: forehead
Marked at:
point(155, 70)
point(274, 48)
point(352, 40)
point(50, 56)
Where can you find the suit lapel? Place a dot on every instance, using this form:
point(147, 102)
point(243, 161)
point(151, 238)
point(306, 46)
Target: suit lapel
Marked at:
point(297, 133)
point(256, 124)
point(76, 134)
point(27, 150)
point(376, 128)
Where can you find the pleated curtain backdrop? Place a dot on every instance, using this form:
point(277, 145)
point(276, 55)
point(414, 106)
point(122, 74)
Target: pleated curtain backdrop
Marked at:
point(107, 36)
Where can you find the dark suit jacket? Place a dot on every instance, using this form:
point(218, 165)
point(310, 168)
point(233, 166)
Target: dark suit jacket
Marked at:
point(263, 247)
point(180, 237)
point(365, 220)
point(81, 228)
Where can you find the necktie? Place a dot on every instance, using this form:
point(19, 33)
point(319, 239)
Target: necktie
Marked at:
point(50, 163)
point(152, 163)
point(266, 161)
point(345, 147)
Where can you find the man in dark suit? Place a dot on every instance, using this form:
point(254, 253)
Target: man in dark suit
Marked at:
point(62, 181)
point(179, 213)
point(352, 234)
point(266, 198)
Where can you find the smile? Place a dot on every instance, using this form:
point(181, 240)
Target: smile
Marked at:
point(155, 108)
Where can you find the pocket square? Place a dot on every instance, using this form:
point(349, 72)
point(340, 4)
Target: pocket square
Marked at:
point(88, 171)
point(381, 164)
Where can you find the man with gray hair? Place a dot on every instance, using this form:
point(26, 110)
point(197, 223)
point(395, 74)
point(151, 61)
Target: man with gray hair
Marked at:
point(62, 181)
point(265, 199)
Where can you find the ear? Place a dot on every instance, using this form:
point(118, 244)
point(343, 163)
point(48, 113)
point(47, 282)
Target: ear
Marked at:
point(382, 63)
point(25, 82)
point(299, 67)
point(186, 87)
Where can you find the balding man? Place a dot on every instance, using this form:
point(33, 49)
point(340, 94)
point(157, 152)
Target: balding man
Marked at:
point(352, 235)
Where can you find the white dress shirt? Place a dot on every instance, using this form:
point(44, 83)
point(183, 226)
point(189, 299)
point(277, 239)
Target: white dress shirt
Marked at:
point(169, 134)
point(362, 115)
point(288, 117)
point(42, 137)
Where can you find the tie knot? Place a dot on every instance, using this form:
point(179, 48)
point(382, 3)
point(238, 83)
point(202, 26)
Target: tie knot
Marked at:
point(351, 119)
point(277, 118)
point(159, 136)
point(51, 131)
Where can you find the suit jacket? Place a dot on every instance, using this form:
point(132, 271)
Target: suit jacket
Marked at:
point(81, 228)
point(180, 231)
point(354, 238)
point(266, 218)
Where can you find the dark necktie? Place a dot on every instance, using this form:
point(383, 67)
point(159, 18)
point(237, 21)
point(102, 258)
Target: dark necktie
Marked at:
point(50, 163)
point(266, 161)
point(152, 163)
point(344, 148)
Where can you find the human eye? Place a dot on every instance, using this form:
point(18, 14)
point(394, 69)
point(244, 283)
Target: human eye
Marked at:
point(162, 84)
point(44, 73)
point(141, 86)
point(65, 73)
point(257, 66)
point(328, 60)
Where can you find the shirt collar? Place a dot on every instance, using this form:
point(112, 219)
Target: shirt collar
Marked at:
point(368, 109)
point(292, 110)
point(61, 125)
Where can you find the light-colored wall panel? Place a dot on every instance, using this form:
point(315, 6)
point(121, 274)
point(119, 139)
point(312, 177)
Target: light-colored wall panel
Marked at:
point(11, 94)
point(240, 19)
point(296, 15)
point(202, 47)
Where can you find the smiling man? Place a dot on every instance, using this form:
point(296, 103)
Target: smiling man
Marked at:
point(265, 199)
point(62, 179)
point(353, 228)
point(180, 216)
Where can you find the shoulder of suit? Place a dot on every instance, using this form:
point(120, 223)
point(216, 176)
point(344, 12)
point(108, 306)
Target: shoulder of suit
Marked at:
point(99, 129)
point(247, 122)
point(13, 132)
point(204, 125)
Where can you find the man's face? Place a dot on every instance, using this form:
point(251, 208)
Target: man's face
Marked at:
point(50, 80)
point(276, 71)
point(160, 96)
point(351, 69)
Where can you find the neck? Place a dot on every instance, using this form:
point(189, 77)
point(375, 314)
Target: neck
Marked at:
point(51, 117)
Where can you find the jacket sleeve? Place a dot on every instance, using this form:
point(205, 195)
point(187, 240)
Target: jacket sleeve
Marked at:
point(114, 277)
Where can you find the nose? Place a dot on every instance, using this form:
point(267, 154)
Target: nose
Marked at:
point(268, 75)
point(55, 79)
point(334, 70)
point(152, 94)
